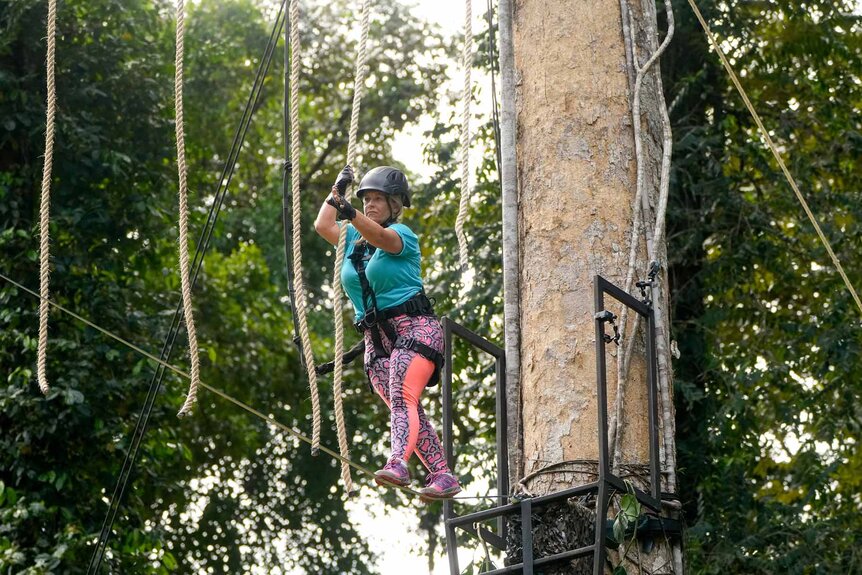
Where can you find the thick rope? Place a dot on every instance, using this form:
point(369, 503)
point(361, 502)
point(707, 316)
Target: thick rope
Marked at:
point(467, 64)
point(298, 286)
point(268, 418)
point(45, 203)
point(774, 150)
point(185, 284)
point(337, 298)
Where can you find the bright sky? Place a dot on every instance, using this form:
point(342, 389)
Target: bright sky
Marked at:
point(449, 16)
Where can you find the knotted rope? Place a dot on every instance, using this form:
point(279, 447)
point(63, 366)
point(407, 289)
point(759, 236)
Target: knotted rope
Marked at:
point(185, 283)
point(298, 286)
point(45, 204)
point(467, 64)
point(337, 301)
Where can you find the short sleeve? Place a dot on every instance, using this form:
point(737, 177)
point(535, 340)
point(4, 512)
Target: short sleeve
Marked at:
point(351, 237)
point(409, 241)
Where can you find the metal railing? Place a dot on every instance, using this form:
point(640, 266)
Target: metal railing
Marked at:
point(607, 482)
point(450, 329)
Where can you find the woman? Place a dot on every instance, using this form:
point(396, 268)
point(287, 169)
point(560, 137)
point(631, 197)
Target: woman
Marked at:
point(403, 338)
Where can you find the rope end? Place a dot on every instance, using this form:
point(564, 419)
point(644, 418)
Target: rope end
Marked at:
point(315, 451)
point(186, 409)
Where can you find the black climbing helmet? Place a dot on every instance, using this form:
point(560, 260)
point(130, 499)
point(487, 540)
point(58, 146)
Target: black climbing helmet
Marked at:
point(391, 181)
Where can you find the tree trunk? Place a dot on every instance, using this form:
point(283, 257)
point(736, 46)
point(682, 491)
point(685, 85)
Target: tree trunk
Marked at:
point(577, 175)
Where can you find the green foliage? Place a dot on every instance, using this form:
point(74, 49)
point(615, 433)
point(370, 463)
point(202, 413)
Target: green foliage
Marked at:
point(218, 491)
point(630, 511)
point(767, 386)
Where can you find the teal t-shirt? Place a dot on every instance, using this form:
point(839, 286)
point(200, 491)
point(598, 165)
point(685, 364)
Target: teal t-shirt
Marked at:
point(395, 278)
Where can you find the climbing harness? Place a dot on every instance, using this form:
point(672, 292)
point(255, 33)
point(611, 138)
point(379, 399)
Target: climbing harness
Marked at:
point(185, 284)
point(391, 182)
point(348, 357)
point(376, 320)
point(45, 203)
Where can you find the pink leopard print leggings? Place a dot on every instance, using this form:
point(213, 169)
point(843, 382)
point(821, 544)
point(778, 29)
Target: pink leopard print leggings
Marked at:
point(399, 380)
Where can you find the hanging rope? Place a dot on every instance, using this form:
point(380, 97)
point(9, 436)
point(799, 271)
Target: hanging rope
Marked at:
point(298, 286)
point(185, 284)
point(466, 64)
point(45, 204)
point(219, 194)
point(337, 299)
point(768, 139)
point(267, 418)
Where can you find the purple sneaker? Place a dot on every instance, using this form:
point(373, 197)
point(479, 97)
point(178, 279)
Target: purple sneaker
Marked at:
point(440, 485)
point(395, 472)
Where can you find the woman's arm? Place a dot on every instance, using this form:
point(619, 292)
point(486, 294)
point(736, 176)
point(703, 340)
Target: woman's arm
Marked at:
point(325, 224)
point(376, 235)
point(385, 239)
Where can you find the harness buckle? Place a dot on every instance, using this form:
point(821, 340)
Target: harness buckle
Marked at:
point(370, 318)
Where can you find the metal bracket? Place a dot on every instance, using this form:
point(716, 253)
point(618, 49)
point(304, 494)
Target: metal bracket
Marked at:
point(608, 317)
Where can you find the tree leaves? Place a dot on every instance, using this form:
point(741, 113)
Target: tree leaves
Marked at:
point(221, 490)
point(762, 321)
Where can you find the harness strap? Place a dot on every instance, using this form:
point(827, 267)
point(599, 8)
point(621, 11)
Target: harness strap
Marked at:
point(425, 351)
point(360, 256)
point(378, 320)
point(420, 304)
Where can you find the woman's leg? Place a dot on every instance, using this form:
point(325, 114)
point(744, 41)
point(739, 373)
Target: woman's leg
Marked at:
point(428, 446)
point(378, 376)
point(428, 331)
point(408, 374)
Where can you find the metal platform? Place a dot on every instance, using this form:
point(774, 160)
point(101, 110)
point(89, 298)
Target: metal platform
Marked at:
point(606, 484)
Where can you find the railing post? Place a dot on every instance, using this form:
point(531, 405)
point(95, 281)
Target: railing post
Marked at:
point(502, 441)
point(601, 379)
point(527, 536)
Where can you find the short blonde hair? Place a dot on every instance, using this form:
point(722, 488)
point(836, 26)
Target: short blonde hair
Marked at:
point(396, 206)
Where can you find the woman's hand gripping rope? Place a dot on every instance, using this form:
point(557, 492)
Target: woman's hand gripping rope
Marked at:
point(337, 200)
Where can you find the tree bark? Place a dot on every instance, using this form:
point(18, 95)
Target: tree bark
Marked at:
point(577, 175)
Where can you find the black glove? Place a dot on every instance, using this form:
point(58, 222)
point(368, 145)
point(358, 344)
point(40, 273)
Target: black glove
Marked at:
point(337, 201)
point(344, 179)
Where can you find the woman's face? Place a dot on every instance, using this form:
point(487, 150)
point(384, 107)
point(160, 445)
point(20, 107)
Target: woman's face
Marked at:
point(376, 207)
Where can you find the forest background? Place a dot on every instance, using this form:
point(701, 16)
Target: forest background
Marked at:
point(768, 378)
